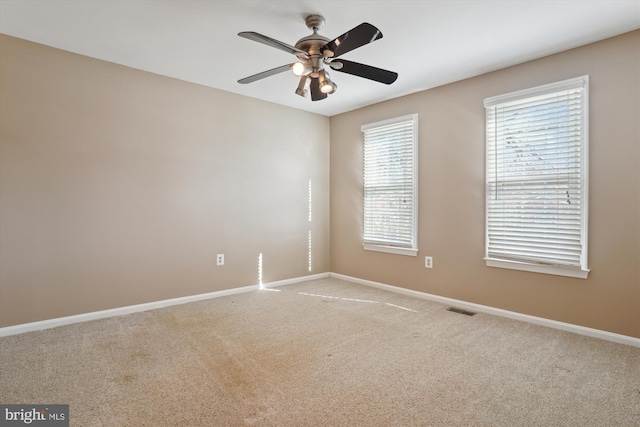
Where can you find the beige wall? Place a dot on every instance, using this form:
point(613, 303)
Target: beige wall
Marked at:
point(451, 193)
point(119, 187)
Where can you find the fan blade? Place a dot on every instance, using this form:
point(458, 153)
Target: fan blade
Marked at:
point(264, 74)
point(359, 36)
point(316, 94)
point(273, 43)
point(366, 71)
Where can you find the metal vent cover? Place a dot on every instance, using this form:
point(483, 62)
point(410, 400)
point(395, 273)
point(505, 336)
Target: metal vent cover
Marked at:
point(461, 311)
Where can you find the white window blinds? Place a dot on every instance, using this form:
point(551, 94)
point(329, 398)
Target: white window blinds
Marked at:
point(536, 179)
point(390, 185)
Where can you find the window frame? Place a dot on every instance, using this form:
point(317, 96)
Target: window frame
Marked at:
point(582, 270)
point(391, 248)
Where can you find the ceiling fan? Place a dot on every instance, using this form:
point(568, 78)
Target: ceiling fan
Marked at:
point(316, 53)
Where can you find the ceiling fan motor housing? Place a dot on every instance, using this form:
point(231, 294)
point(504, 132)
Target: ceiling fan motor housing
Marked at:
point(312, 44)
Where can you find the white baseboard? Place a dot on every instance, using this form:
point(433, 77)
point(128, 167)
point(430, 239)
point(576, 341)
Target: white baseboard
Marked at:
point(67, 320)
point(595, 333)
point(60, 321)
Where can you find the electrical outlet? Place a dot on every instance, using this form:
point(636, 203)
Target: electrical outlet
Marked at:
point(428, 262)
point(220, 259)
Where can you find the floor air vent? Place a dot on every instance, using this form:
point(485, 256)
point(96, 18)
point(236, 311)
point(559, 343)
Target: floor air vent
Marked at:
point(461, 311)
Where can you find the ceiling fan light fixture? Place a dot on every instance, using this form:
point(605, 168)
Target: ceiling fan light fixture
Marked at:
point(301, 69)
point(301, 87)
point(326, 85)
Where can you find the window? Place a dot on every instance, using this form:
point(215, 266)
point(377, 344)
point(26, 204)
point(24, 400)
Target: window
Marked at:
point(537, 179)
point(390, 185)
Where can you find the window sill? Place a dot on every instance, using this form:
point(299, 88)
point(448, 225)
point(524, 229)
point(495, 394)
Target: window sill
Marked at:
point(538, 268)
point(390, 249)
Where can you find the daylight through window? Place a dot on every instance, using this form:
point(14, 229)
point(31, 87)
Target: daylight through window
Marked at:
point(390, 185)
point(537, 179)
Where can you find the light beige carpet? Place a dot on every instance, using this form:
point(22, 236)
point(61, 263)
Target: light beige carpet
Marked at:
point(321, 353)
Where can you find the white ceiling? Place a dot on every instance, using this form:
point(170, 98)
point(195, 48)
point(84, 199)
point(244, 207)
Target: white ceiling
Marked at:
point(429, 43)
